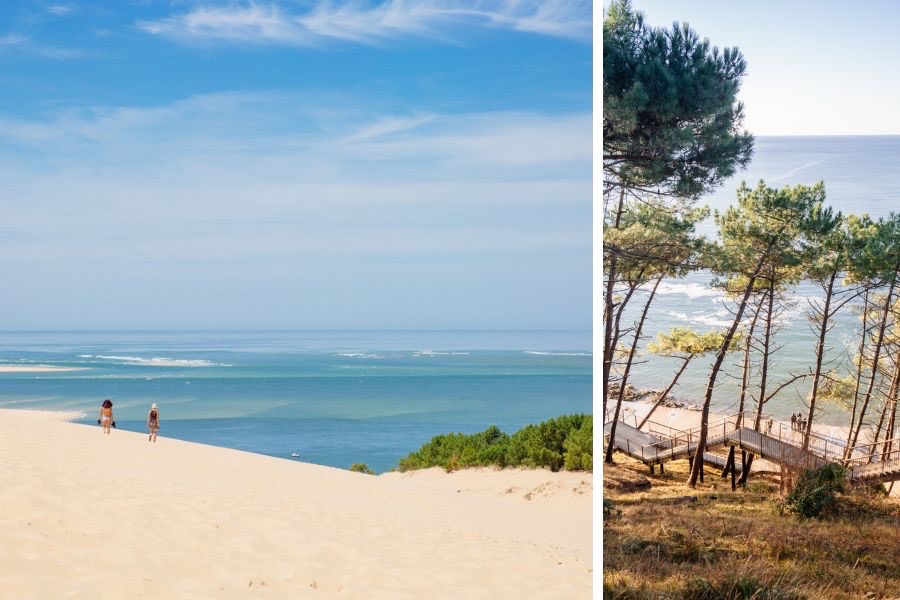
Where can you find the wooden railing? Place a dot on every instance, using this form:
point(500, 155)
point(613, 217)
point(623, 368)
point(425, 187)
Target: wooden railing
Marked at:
point(779, 442)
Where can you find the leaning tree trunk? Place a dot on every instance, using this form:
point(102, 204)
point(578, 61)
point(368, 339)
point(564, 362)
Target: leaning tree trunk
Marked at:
point(770, 316)
point(665, 393)
point(820, 354)
point(634, 343)
point(892, 393)
point(859, 369)
point(889, 434)
point(633, 285)
point(746, 369)
point(608, 348)
point(720, 358)
point(878, 345)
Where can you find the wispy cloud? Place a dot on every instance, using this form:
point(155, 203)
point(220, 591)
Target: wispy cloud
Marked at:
point(10, 40)
point(275, 24)
point(60, 10)
point(308, 130)
point(15, 43)
point(308, 209)
point(376, 183)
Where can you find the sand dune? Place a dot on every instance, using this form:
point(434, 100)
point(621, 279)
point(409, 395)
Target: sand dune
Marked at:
point(87, 515)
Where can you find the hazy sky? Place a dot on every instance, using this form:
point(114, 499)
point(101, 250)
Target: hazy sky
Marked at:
point(814, 68)
point(296, 164)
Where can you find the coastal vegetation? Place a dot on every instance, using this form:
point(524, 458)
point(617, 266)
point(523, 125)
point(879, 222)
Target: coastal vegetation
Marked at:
point(361, 468)
point(672, 128)
point(565, 442)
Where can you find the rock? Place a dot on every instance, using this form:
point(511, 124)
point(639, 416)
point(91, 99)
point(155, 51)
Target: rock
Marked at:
point(631, 393)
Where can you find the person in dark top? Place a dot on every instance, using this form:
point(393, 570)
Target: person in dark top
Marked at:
point(153, 422)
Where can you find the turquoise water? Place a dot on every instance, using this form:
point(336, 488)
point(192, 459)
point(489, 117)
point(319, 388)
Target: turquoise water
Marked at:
point(334, 398)
point(861, 175)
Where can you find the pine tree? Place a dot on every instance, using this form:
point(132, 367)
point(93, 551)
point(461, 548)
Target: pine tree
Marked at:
point(671, 119)
point(761, 231)
point(671, 129)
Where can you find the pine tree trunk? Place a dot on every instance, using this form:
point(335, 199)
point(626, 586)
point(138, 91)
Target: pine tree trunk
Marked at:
point(859, 370)
point(746, 370)
point(878, 345)
point(608, 348)
point(717, 365)
point(820, 354)
point(889, 440)
point(634, 343)
point(665, 393)
point(770, 316)
point(892, 393)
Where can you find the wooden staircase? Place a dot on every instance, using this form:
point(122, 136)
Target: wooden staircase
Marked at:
point(656, 444)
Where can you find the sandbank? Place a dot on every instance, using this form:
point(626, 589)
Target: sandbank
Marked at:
point(35, 369)
point(88, 515)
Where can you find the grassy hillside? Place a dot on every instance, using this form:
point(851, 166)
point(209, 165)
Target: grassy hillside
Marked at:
point(662, 539)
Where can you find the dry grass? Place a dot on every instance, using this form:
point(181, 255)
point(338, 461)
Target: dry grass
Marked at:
point(672, 541)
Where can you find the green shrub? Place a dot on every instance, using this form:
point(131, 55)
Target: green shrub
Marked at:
point(609, 509)
point(579, 446)
point(543, 445)
point(815, 490)
point(565, 441)
point(457, 450)
point(361, 468)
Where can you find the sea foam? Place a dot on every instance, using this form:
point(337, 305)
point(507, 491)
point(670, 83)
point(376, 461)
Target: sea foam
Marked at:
point(160, 361)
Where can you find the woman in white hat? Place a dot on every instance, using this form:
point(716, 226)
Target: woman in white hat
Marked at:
point(153, 422)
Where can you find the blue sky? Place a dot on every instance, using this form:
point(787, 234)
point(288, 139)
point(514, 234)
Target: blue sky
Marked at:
point(296, 164)
point(814, 68)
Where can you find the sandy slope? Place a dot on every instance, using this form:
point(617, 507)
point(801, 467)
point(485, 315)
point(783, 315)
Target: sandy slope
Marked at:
point(85, 515)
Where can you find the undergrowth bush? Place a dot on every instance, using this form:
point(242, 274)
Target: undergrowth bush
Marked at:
point(563, 442)
point(815, 490)
point(361, 468)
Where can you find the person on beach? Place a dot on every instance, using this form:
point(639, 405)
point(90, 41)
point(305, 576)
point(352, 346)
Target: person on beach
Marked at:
point(793, 422)
point(153, 422)
point(769, 425)
point(106, 416)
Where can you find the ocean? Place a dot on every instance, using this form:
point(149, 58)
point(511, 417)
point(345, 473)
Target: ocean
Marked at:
point(861, 175)
point(327, 397)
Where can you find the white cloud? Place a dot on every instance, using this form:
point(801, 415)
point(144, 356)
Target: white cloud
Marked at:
point(251, 175)
point(320, 136)
point(277, 210)
point(12, 39)
point(60, 10)
point(15, 42)
point(272, 24)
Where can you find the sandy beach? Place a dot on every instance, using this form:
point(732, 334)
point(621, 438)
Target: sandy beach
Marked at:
point(88, 515)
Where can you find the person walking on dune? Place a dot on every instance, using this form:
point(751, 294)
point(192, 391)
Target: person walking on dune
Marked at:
point(106, 416)
point(153, 422)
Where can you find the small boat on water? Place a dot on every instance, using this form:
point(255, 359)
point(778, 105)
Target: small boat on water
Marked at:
point(294, 455)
